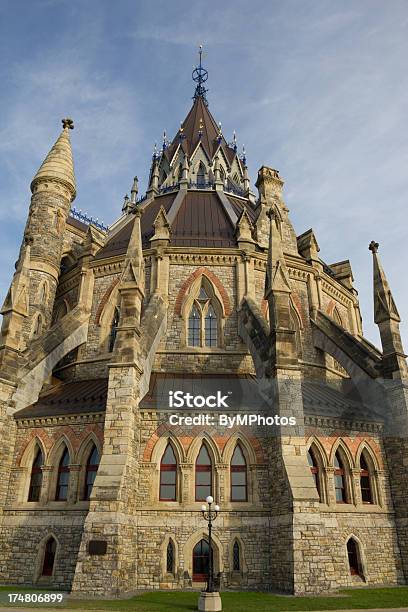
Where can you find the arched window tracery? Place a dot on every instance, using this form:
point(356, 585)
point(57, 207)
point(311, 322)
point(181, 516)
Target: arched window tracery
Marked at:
point(168, 475)
point(204, 319)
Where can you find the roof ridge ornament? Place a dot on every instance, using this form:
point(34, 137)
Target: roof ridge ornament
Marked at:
point(67, 123)
point(200, 76)
point(373, 246)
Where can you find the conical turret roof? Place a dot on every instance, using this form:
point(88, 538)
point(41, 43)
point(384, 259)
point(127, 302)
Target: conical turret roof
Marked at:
point(59, 164)
point(200, 126)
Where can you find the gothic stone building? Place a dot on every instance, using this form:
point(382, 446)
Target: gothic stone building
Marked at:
point(200, 284)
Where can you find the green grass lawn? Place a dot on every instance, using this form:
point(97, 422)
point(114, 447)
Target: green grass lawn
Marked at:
point(243, 601)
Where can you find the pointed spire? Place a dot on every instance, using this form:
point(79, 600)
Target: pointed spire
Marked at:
point(126, 204)
point(58, 165)
point(244, 230)
point(387, 318)
point(185, 169)
point(384, 305)
point(134, 190)
point(277, 275)
point(161, 227)
point(154, 177)
point(134, 263)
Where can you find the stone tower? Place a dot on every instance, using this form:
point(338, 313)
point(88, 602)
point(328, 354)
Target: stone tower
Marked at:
point(53, 190)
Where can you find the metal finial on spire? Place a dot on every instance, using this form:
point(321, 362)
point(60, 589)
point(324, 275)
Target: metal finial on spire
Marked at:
point(373, 246)
point(200, 128)
point(200, 76)
point(155, 154)
point(164, 141)
point(234, 140)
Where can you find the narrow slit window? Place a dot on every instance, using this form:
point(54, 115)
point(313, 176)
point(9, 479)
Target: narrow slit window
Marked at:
point(36, 477)
point(340, 480)
point(236, 561)
point(314, 468)
point(365, 482)
point(61, 493)
point(203, 481)
point(239, 488)
point(90, 472)
point(168, 475)
point(194, 327)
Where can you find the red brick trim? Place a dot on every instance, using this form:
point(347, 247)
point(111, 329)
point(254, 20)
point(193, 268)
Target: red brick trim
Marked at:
point(104, 300)
point(297, 304)
point(213, 278)
point(68, 431)
point(186, 440)
point(330, 307)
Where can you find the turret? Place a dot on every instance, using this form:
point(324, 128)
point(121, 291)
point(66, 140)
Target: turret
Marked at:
point(154, 177)
point(53, 190)
point(387, 318)
point(270, 186)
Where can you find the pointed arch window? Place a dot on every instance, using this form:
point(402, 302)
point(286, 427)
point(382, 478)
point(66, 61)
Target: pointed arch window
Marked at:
point(49, 557)
point(43, 293)
point(203, 475)
point(61, 493)
point(90, 471)
point(204, 320)
point(170, 557)
point(168, 475)
point(36, 477)
point(114, 329)
point(340, 480)
point(314, 468)
point(201, 558)
point(353, 557)
point(365, 481)
point(239, 489)
point(201, 176)
point(194, 327)
point(236, 560)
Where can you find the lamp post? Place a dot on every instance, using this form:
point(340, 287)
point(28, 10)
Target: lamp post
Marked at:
point(210, 515)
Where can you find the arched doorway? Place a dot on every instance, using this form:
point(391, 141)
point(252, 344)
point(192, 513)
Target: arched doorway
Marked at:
point(201, 561)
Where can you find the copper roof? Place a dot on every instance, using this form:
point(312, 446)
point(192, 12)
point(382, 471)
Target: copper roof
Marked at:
point(243, 390)
point(117, 245)
point(69, 398)
point(203, 222)
point(199, 115)
point(238, 206)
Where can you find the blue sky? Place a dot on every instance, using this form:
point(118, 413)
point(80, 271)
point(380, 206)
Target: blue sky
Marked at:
point(316, 89)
